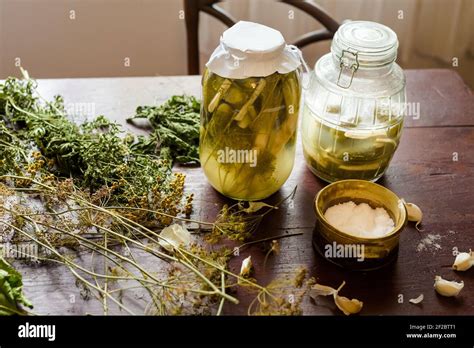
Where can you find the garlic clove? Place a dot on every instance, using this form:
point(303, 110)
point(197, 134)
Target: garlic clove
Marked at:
point(246, 266)
point(417, 300)
point(447, 288)
point(414, 213)
point(322, 290)
point(463, 261)
point(348, 306)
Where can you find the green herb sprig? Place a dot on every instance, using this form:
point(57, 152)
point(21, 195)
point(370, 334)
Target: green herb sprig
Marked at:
point(175, 126)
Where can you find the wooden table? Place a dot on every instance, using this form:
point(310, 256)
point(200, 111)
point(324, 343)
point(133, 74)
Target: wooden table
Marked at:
point(423, 171)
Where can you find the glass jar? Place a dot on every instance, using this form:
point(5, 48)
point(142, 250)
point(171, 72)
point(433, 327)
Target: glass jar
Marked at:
point(249, 115)
point(354, 105)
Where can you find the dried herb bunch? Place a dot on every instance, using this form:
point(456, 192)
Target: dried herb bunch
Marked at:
point(45, 141)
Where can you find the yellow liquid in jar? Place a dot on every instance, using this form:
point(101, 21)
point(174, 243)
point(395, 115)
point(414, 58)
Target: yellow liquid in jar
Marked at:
point(334, 152)
point(241, 181)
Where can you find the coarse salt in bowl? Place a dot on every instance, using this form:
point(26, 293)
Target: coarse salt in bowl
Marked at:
point(358, 251)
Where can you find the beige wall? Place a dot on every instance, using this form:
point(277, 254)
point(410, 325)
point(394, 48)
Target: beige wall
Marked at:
point(96, 43)
point(151, 33)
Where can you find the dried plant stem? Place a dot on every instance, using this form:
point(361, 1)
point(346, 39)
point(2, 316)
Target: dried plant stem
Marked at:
point(223, 286)
point(263, 240)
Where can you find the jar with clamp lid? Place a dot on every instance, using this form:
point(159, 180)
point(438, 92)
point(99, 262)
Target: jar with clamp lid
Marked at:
point(354, 105)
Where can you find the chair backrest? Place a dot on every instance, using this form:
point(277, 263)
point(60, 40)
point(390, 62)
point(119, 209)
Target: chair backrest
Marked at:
point(193, 7)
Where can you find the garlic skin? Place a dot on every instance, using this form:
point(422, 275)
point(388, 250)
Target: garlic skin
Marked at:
point(256, 206)
point(463, 261)
point(447, 288)
point(417, 300)
point(174, 236)
point(246, 266)
point(322, 290)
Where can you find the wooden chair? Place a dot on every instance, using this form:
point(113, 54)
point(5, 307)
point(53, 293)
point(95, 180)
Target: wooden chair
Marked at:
point(193, 7)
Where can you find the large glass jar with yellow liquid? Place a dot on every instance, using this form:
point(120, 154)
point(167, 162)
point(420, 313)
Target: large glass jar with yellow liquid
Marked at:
point(354, 105)
point(249, 115)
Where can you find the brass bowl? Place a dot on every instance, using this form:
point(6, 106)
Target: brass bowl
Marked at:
point(353, 252)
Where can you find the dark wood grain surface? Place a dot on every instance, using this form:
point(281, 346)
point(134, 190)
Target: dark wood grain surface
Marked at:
point(423, 172)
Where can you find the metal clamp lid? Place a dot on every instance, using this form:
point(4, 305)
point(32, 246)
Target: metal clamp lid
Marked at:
point(348, 63)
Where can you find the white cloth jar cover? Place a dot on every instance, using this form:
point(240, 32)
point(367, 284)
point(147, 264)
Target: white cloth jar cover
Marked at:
point(250, 49)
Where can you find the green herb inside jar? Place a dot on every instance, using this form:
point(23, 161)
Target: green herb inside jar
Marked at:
point(248, 133)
